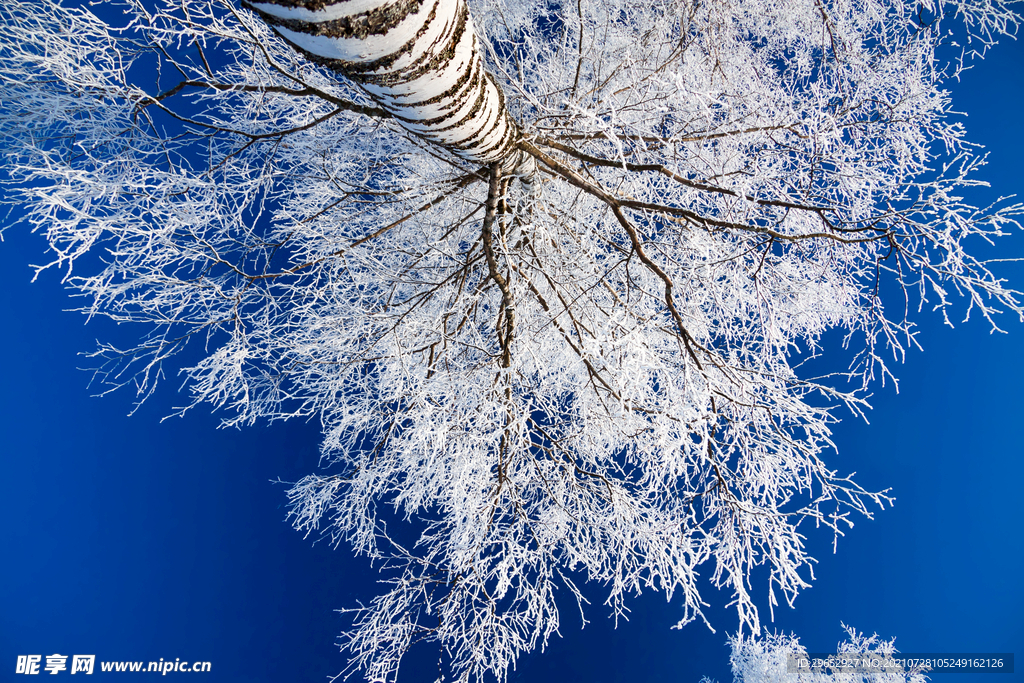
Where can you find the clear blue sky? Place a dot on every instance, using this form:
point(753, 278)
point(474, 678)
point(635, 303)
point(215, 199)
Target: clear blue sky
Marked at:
point(133, 539)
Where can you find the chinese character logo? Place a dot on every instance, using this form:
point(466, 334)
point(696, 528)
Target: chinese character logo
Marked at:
point(55, 663)
point(28, 664)
point(82, 664)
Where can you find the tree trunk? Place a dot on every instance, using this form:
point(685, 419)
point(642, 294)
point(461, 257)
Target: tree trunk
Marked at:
point(417, 59)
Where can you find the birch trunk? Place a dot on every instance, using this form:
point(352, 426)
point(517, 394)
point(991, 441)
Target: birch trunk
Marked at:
point(417, 59)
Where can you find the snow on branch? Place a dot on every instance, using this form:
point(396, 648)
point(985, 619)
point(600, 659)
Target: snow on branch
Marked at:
point(595, 375)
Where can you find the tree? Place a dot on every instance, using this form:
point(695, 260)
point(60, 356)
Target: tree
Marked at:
point(769, 660)
point(591, 374)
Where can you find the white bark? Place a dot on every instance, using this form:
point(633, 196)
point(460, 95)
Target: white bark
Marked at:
point(419, 60)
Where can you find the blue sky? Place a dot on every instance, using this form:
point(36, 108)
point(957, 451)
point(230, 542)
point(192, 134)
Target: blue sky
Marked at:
point(136, 539)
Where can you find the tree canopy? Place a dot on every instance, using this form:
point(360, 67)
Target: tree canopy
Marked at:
point(771, 660)
point(594, 374)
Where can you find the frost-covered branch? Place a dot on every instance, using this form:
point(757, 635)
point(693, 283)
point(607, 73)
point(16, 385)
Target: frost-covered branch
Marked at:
point(596, 374)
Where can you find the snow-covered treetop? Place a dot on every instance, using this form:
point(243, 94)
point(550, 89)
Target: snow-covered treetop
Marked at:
point(593, 378)
point(773, 658)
